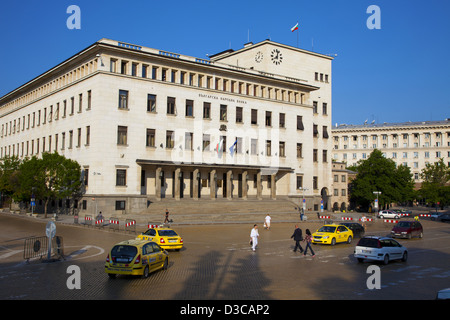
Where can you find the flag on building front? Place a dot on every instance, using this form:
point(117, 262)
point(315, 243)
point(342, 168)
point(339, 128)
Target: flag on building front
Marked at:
point(294, 27)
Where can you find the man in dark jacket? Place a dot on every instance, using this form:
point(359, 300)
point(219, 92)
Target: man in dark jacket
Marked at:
point(297, 238)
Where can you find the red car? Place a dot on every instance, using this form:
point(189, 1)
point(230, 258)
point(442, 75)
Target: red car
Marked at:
point(407, 229)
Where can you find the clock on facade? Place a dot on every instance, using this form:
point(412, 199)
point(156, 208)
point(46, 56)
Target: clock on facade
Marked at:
point(276, 56)
point(259, 56)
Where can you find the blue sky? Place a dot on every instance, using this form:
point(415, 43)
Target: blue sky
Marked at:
point(397, 73)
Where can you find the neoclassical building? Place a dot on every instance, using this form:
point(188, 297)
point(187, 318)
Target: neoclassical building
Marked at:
point(413, 144)
point(150, 125)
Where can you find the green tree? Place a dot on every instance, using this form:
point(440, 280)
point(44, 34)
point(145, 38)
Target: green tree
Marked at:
point(9, 167)
point(51, 177)
point(435, 188)
point(377, 173)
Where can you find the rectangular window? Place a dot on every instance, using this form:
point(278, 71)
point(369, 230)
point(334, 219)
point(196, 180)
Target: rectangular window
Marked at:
point(268, 119)
point(238, 114)
point(282, 120)
point(123, 67)
point(223, 112)
point(169, 140)
point(206, 142)
point(189, 108)
point(254, 146)
point(325, 132)
point(122, 135)
point(299, 150)
point(170, 105)
point(188, 139)
point(151, 103)
point(88, 136)
point(206, 110)
point(254, 116)
point(150, 140)
point(123, 99)
point(324, 108)
point(315, 183)
point(282, 149)
point(120, 204)
point(299, 182)
point(268, 148)
point(300, 123)
point(121, 177)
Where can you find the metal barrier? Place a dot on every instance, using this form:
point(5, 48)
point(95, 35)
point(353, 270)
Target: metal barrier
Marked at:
point(88, 220)
point(346, 218)
point(37, 247)
point(114, 223)
point(99, 222)
point(130, 225)
point(75, 219)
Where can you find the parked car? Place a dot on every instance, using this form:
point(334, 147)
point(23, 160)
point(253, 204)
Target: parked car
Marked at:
point(358, 229)
point(407, 229)
point(444, 217)
point(380, 249)
point(388, 214)
point(166, 238)
point(443, 294)
point(435, 215)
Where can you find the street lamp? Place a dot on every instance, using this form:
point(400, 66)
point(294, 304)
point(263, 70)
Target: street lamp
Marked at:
point(376, 202)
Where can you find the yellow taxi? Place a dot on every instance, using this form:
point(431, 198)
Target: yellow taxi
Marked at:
point(136, 257)
point(166, 238)
point(332, 234)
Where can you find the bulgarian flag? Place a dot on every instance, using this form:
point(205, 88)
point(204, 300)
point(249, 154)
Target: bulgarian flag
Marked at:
point(294, 27)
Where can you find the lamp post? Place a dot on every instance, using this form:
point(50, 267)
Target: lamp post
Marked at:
point(376, 201)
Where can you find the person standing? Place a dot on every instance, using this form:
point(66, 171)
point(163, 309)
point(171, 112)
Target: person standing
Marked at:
point(167, 216)
point(363, 221)
point(308, 239)
point(297, 238)
point(267, 222)
point(254, 234)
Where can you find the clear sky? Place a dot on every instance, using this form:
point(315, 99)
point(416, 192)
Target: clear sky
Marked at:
point(398, 73)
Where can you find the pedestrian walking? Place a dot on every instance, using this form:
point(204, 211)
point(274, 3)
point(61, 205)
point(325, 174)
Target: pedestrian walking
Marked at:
point(302, 213)
point(254, 234)
point(267, 222)
point(297, 238)
point(308, 239)
point(167, 216)
point(363, 221)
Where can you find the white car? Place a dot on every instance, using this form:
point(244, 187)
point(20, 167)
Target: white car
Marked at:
point(388, 214)
point(380, 249)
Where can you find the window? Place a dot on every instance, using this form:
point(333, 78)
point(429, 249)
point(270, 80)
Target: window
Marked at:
point(154, 72)
point(268, 148)
point(123, 67)
point(324, 156)
point(121, 177)
point(89, 101)
point(206, 110)
point(300, 123)
point(169, 140)
point(315, 183)
point(315, 106)
point(188, 139)
point(88, 136)
point(238, 114)
point(254, 117)
point(282, 148)
point(315, 131)
point(134, 67)
point(150, 139)
point(123, 99)
point(223, 112)
point(282, 120)
point(144, 71)
point(206, 142)
point(120, 204)
point(189, 108)
point(170, 105)
point(324, 108)
point(254, 146)
point(325, 132)
point(299, 150)
point(78, 138)
point(315, 156)
point(151, 103)
point(299, 182)
point(122, 135)
point(268, 119)
point(112, 65)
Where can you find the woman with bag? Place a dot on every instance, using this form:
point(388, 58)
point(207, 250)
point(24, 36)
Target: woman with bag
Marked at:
point(308, 239)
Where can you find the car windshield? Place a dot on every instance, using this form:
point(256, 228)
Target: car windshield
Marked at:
point(368, 242)
point(167, 233)
point(123, 253)
point(150, 232)
point(404, 224)
point(327, 229)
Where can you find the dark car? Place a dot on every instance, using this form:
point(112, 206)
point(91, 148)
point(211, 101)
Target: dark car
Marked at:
point(407, 229)
point(444, 217)
point(358, 230)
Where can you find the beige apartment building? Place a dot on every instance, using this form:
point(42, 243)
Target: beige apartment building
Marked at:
point(413, 144)
point(150, 125)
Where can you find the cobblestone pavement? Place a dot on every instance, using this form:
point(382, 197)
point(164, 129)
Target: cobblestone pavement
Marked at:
point(217, 263)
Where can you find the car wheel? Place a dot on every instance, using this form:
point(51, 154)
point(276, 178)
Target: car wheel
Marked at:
point(386, 259)
point(333, 241)
point(405, 256)
point(395, 217)
point(349, 239)
point(381, 217)
point(166, 264)
point(145, 274)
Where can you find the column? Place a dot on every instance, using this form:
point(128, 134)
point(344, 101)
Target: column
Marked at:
point(258, 186)
point(212, 184)
point(229, 183)
point(196, 182)
point(273, 183)
point(176, 179)
point(244, 184)
point(158, 183)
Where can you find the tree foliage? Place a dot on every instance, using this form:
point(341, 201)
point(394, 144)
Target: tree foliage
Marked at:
point(377, 173)
point(48, 178)
point(435, 188)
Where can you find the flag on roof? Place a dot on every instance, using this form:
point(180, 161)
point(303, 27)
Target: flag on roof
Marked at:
point(294, 27)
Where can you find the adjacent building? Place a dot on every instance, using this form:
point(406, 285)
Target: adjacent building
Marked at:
point(150, 125)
